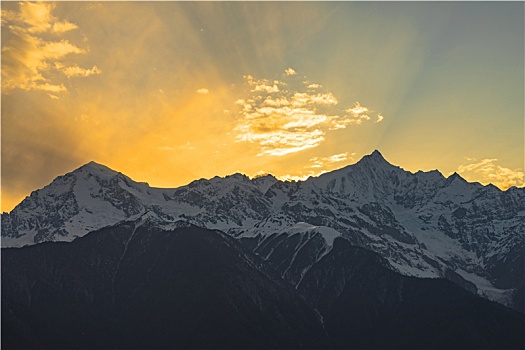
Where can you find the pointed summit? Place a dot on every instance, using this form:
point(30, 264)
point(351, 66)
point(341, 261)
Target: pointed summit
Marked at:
point(376, 154)
point(92, 164)
point(95, 168)
point(375, 158)
point(456, 176)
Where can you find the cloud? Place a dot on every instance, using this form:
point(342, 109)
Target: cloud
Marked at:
point(314, 86)
point(320, 165)
point(357, 110)
point(30, 56)
point(36, 15)
point(300, 99)
point(262, 85)
point(300, 177)
point(203, 91)
point(275, 140)
point(267, 88)
point(276, 102)
point(359, 114)
point(487, 171)
point(290, 71)
point(324, 162)
point(76, 71)
point(292, 119)
point(64, 26)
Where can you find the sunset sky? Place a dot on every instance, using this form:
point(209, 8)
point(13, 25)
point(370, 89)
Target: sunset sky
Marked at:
point(169, 92)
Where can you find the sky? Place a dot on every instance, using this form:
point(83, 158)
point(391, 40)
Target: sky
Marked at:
point(170, 92)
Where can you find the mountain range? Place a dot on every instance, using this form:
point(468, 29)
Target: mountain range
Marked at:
point(369, 255)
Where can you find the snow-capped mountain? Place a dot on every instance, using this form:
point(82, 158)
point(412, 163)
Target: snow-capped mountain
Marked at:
point(422, 223)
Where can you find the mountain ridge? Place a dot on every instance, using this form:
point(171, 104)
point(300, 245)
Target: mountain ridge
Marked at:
point(102, 168)
point(424, 224)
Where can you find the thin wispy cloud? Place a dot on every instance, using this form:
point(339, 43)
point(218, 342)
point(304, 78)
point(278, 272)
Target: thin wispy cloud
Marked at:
point(300, 177)
point(361, 114)
point(76, 71)
point(324, 162)
point(490, 172)
point(284, 117)
point(314, 86)
point(320, 165)
point(357, 110)
point(203, 91)
point(30, 54)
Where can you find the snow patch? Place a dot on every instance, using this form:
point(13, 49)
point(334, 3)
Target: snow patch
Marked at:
point(487, 289)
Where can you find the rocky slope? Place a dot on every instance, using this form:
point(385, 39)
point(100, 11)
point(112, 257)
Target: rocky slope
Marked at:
point(148, 286)
point(147, 283)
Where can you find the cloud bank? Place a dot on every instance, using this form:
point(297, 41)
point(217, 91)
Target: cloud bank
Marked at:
point(284, 117)
point(30, 57)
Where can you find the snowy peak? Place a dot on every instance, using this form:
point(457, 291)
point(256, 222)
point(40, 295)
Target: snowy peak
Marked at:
point(264, 182)
point(456, 177)
point(370, 166)
point(88, 198)
point(95, 166)
point(370, 179)
point(102, 174)
point(95, 169)
point(377, 156)
point(375, 162)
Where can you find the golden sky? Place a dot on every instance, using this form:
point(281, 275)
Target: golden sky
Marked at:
point(169, 92)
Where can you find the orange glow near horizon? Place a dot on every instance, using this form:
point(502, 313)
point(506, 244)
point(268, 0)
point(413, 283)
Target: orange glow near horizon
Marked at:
point(170, 92)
